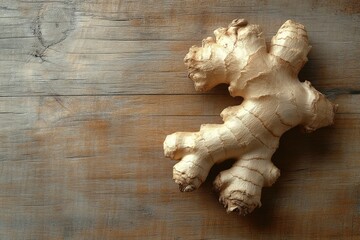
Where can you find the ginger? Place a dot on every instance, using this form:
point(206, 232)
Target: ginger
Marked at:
point(274, 100)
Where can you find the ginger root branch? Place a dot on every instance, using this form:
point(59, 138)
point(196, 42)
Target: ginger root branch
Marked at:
point(274, 101)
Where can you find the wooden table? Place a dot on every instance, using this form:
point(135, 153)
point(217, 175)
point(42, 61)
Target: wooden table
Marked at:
point(89, 90)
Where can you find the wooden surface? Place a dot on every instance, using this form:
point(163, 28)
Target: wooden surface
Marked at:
point(89, 90)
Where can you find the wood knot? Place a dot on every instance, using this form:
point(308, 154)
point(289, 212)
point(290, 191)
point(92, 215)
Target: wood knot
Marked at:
point(53, 23)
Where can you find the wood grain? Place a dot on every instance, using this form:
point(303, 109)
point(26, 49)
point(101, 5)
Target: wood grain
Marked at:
point(89, 90)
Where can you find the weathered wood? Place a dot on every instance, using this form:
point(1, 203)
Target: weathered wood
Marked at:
point(92, 167)
point(89, 89)
point(114, 47)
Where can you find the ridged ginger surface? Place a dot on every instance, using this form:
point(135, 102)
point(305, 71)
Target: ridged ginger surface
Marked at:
point(274, 101)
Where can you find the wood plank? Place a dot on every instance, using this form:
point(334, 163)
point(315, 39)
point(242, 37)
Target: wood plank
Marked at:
point(113, 47)
point(92, 167)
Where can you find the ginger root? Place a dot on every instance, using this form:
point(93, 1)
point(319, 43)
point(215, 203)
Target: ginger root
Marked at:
point(274, 101)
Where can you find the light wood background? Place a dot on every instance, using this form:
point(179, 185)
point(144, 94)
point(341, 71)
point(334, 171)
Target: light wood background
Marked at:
point(89, 89)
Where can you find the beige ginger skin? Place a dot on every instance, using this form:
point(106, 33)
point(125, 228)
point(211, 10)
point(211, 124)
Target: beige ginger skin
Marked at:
point(274, 101)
